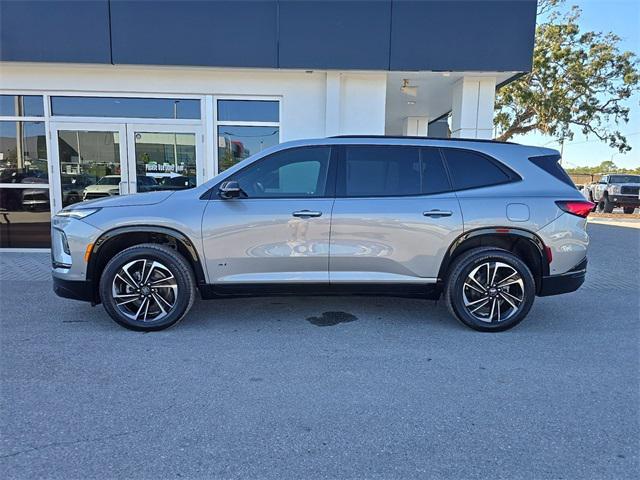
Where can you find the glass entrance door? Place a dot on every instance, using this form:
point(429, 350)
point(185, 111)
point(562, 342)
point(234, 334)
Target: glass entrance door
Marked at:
point(100, 160)
point(165, 157)
point(91, 162)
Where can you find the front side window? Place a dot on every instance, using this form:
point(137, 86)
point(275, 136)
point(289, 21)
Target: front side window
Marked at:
point(293, 173)
point(472, 170)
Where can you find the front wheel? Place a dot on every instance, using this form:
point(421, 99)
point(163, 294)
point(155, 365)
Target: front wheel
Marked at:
point(489, 289)
point(147, 287)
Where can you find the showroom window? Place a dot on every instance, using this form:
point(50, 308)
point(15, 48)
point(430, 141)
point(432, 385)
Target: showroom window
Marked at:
point(25, 210)
point(245, 127)
point(125, 107)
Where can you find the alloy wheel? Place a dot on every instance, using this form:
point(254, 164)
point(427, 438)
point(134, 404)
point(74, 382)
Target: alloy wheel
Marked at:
point(493, 292)
point(144, 290)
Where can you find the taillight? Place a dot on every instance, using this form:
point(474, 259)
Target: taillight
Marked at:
point(581, 208)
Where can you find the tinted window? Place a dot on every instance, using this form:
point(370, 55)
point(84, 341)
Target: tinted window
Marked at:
point(21, 105)
point(551, 165)
point(125, 107)
point(248, 110)
point(381, 171)
point(434, 175)
point(472, 170)
point(297, 172)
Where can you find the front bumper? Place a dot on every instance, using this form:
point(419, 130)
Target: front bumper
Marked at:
point(565, 282)
point(626, 200)
point(75, 289)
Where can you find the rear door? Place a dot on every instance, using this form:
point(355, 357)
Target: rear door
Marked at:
point(394, 216)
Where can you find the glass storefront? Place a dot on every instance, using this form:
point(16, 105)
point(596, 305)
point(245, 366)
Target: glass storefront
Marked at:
point(236, 139)
point(106, 145)
point(25, 218)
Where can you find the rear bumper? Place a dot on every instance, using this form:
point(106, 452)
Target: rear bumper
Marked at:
point(564, 283)
point(74, 289)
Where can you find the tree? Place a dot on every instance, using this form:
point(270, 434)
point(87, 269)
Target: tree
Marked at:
point(578, 79)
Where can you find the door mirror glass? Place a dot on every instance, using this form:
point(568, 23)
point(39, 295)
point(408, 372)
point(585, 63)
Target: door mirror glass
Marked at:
point(229, 189)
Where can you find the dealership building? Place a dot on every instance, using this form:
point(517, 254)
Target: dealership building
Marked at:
point(109, 97)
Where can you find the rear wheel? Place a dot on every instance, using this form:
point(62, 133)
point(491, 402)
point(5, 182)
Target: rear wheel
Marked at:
point(489, 289)
point(629, 209)
point(147, 287)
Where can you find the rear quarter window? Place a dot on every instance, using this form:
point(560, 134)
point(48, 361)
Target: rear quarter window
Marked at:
point(551, 165)
point(470, 169)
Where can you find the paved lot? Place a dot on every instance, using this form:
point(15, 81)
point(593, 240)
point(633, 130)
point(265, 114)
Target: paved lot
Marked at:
point(254, 389)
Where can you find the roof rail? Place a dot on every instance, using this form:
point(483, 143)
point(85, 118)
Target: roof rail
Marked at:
point(400, 137)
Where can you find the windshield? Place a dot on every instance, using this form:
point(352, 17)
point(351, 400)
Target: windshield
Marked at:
point(109, 181)
point(624, 179)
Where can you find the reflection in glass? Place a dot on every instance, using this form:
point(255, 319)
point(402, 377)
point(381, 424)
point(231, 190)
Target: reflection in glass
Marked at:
point(237, 143)
point(25, 218)
point(249, 110)
point(165, 161)
point(23, 152)
point(89, 164)
point(125, 107)
point(21, 105)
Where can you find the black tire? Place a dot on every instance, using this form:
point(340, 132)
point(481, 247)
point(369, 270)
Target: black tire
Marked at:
point(607, 206)
point(459, 271)
point(629, 210)
point(174, 263)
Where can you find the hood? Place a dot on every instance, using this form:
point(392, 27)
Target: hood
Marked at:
point(136, 200)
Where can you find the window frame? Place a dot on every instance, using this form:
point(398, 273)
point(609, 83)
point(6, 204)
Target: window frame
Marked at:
point(237, 123)
point(512, 176)
point(329, 188)
point(342, 163)
point(44, 119)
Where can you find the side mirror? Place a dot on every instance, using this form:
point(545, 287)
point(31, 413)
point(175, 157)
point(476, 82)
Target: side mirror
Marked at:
point(229, 189)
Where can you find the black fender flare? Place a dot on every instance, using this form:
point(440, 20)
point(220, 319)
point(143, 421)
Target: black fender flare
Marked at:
point(184, 240)
point(508, 232)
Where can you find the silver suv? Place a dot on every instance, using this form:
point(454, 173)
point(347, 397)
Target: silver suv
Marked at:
point(488, 225)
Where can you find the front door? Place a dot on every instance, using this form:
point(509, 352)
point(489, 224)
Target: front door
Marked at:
point(97, 160)
point(277, 230)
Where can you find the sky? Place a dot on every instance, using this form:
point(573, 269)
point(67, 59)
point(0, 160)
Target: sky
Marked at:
point(621, 17)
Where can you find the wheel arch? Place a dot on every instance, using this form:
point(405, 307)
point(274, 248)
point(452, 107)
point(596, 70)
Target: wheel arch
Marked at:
point(117, 239)
point(525, 244)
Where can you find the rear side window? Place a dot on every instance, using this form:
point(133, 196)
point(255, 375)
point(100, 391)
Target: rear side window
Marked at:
point(381, 170)
point(551, 165)
point(472, 170)
point(389, 170)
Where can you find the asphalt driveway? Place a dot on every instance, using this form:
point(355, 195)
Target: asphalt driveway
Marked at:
point(278, 388)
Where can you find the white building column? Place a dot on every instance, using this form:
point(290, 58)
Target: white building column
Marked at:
point(333, 103)
point(472, 107)
point(415, 126)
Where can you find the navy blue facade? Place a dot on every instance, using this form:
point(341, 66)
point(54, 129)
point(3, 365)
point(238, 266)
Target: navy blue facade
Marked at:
point(472, 35)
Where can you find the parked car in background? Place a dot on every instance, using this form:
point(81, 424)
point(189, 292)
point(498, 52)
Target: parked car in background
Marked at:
point(489, 225)
point(109, 185)
point(179, 182)
point(616, 190)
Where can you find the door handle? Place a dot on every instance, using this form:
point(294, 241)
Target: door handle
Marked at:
point(306, 213)
point(437, 213)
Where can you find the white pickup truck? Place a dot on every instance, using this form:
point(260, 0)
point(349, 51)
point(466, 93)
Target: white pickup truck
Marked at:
point(616, 190)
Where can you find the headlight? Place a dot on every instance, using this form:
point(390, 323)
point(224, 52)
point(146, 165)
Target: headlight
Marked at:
point(77, 213)
point(614, 189)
